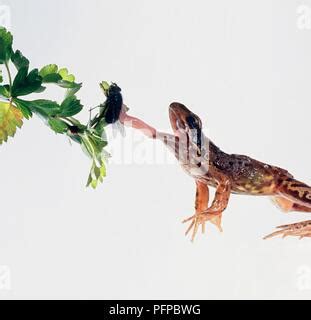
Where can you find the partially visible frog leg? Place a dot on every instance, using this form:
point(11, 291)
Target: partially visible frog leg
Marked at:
point(214, 212)
point(282, 203)
point(201, 204)
point(299, 229)
point(287, 205)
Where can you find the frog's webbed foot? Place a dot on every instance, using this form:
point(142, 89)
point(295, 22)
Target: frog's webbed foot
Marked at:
point(200, 219)
point(299, 229)
point(213, 213)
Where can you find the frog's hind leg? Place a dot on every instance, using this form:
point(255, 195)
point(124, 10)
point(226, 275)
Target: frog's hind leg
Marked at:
point(287, 205)
point(282, 203)
point(299, 229)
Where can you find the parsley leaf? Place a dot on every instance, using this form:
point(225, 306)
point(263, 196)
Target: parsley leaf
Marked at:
point(5, 91)
point(10, 120)
point(19, 60)
point(66, 76)
point(70, 106)
point(57, 125)
point(25, 83)
point(50, 74)
point(6, 40)
point(42, 107)
point(24, 107)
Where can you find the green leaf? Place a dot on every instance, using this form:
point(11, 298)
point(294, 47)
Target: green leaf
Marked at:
point(74, 90)
point(93, 145)
point(78, 124)
point(23, 106)
point(66, 76)
point(97, 174)
point(58, 125)
point(100, 127)
point(10, 120)
point(72, 87)
point(44, 108)
point(6, 40)
point(19, 60)
point(1, 77)
point(20, 78)
point(41, 89)
point(105, 87)
point(70, 106)
point(52, 78)
point(50, 74)
point(5, 91)
point(87, 146)
point(66, 84)
point(47, 70)
point(24, 84)
point(98, 140)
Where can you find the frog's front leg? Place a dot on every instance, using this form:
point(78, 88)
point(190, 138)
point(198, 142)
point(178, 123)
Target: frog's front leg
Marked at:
point(201, 204)
point(212, 213)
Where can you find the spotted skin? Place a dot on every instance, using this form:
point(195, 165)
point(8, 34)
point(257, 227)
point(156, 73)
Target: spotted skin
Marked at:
point(228, 173)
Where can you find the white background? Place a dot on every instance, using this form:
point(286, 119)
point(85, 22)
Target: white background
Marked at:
point(243, 66)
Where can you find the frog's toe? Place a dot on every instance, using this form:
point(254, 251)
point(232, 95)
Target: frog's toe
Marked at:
point(299, 229)
point(200, 219)
point(216, 220)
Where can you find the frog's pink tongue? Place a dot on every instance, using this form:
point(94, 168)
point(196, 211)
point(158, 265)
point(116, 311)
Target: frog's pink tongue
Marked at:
point(138, 124)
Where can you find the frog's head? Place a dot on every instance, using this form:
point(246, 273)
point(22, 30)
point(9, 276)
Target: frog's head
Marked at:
point(185, 123)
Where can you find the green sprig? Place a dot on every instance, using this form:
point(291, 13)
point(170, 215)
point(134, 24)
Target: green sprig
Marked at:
point(58, 116)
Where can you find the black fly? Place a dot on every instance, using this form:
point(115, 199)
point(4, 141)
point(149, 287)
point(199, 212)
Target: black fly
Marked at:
point(113, 104)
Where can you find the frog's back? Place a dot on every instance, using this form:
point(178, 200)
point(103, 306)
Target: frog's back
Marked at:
point(247, 175)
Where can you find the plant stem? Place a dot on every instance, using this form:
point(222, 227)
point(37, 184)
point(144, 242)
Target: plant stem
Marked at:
point(68, 120)
point(10, 77)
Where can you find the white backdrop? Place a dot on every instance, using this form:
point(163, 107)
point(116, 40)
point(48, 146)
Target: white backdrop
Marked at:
point(243, 66)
